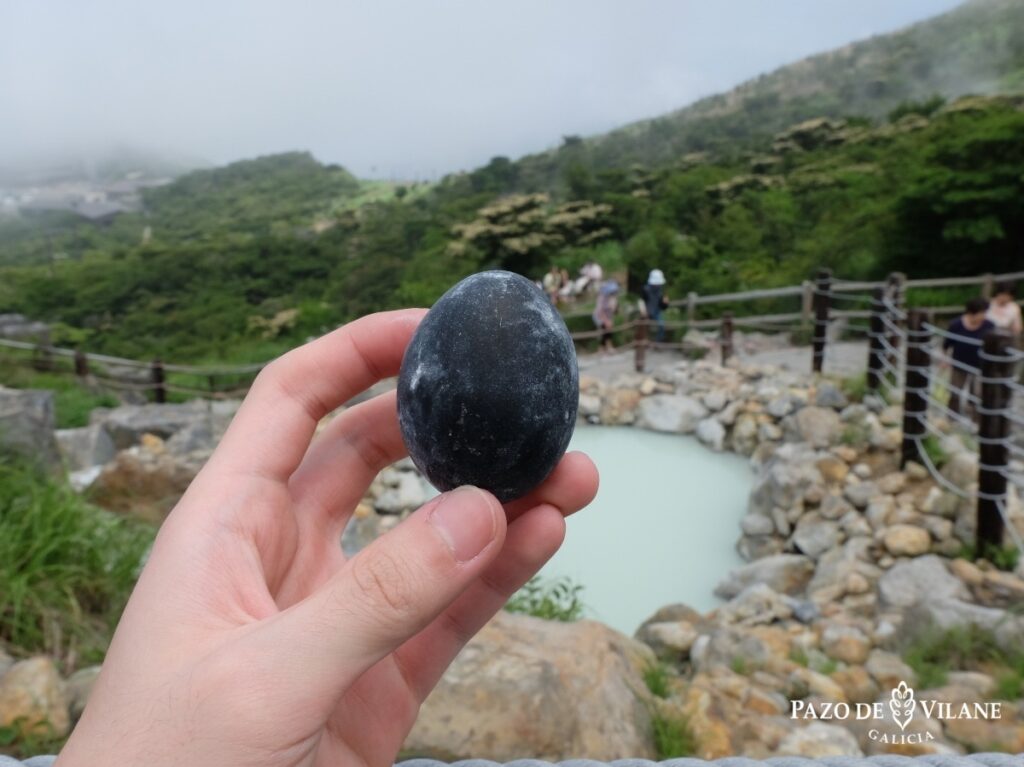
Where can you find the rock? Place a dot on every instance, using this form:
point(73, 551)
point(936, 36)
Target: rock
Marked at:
point(726, 645)
point(128, 423)
point(834, 507)
point(78, 687)
point(834, 568)
point(857, 684)
point(915, 471)
point(906, 541)
point(27, 419)
point(144, 482)
point(670, 413)
point(711, 433)
point(892, 483)
point(961, 469)
point(891, 415)
point(830, 395)
point(769, 432)
point(862, 470)
point(784, 479)
point(32, 699)
point(818, 740)
point(853, 523)
point(670, 639)
point(967, 571)
point(1002, 589)
point(85, 447)
point(861, 494)
point(756, 604)
point(907, 583)
point(590, 405)
point(715, 400)
point(833, 468)
point(888, 669)
point(744, 434)
point(804, 682)
point(818, 426)
point(845, 643)
point(408, 492)
point(552, 690)
point(780, 406)
point(619, 407)
point(879, 511)
point(944, 614)
point(784, 573)
point(814, 535)
point(757, 524)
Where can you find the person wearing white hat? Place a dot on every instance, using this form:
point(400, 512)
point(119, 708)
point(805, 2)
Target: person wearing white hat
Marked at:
point(655, 301)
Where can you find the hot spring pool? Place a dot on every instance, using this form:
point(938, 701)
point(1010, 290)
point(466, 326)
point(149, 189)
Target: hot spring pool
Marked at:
point(662, 529)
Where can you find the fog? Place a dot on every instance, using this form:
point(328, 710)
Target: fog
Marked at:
point(387, 88)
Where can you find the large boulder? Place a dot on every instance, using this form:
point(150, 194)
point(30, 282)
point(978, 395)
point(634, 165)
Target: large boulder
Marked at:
point(785, 573)
point(27, 421)
point(85, 447)
point(908, 582)
point(551, 690)
point(670, 412)
point(128, 423)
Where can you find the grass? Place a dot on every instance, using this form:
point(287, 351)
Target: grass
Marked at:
point(673, 736)
point(855, 387)
point(1002, 557)
point(553, 600)
point(933, 449)
point(656, 677)
point(66, 568)
point(965, 648)
point(72, 402)
point(855, 434)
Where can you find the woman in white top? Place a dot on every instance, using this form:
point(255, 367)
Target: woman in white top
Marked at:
point(1003, 310)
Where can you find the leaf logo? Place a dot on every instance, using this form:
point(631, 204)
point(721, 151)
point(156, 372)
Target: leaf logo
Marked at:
point(902, 705)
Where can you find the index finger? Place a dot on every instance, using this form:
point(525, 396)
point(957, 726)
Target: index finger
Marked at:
point(273, 428)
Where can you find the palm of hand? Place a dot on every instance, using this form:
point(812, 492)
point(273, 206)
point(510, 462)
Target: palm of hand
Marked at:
point(250, 639)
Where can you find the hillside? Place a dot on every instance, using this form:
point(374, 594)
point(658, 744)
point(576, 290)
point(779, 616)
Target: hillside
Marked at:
point(976, 48)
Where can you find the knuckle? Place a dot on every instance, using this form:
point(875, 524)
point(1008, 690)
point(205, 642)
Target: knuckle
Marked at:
point(384, 584)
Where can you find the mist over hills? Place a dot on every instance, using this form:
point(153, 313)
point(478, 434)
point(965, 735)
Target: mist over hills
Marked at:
point(976, 48)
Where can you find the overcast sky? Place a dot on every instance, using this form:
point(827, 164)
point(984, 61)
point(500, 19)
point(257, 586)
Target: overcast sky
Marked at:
point(388, 88)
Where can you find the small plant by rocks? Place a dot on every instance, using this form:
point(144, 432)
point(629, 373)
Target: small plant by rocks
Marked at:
point(553, 600)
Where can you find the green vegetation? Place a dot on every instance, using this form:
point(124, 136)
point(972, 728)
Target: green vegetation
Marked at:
point(855, 387)
point(66, 568)
point(1002, 557)
point(72, 401)
point(656, 677)
point(673, 736)
point(934, 450)
point(553, 600)
point(967, 648)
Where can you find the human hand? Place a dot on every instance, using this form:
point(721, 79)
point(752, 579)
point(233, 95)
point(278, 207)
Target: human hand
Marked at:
point(249, 639)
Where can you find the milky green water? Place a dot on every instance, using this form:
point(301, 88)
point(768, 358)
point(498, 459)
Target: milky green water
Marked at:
point(662, 529)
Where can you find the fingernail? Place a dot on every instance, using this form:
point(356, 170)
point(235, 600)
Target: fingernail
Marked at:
point(465, 520)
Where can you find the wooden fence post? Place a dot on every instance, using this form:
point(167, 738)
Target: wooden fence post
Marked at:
point(993, 433)
point(821, 305)
point(157, 374)
point(691, 307)
point(640, 350)
point(875, 349)
point(915, 386)
point(726, 336)
point(81, 364)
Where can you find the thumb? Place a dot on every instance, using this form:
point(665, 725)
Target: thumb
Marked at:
point(389, 591)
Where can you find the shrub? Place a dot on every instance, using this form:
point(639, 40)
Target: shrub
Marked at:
point(673, 736)
point(555, 600)
point(656, 677)
point(66, 568)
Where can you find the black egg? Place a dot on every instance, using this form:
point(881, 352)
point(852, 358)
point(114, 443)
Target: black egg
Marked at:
point(489, 387)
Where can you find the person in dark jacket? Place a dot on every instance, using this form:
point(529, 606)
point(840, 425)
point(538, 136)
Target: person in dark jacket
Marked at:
point(655, 301)
point(963, 345)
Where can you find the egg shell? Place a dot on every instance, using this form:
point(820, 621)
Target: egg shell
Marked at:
point(489, 387)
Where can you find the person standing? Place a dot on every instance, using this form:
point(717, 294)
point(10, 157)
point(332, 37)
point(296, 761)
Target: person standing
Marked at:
point(604, 313)
point(963, 345)
point(552, 284)
point(1004, 311)
point(655, 301)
